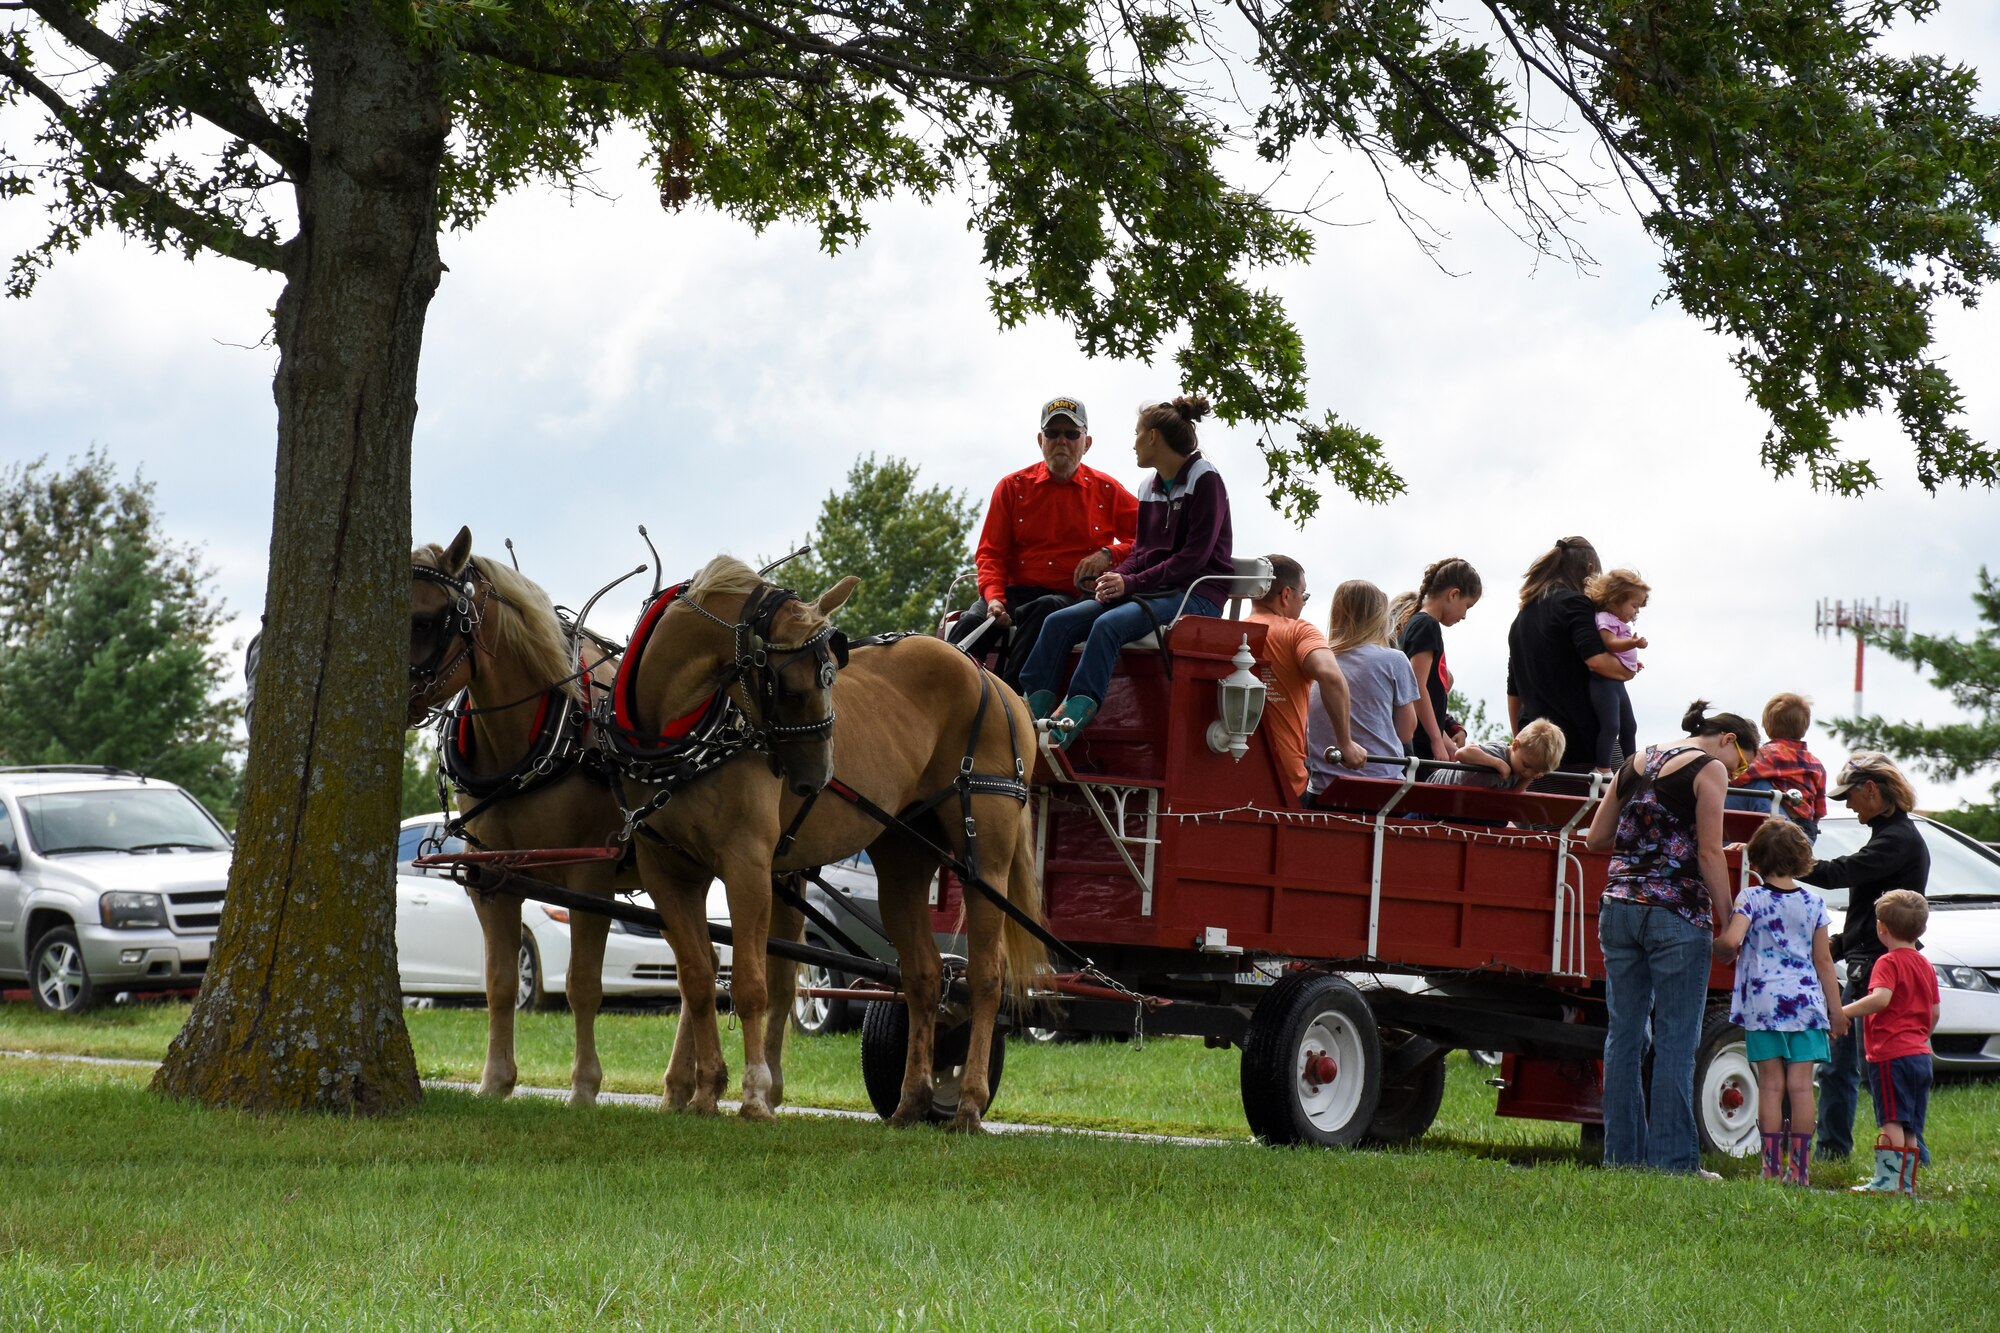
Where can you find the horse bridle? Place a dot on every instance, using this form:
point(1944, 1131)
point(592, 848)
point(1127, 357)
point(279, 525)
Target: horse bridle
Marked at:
point(460, 626)
point(759, 663)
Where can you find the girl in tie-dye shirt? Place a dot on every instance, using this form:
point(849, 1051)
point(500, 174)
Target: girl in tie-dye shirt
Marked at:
point(1786, 997)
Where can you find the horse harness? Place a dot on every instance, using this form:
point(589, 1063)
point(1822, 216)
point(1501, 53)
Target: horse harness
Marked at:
point(562, 744)
point(740, 716)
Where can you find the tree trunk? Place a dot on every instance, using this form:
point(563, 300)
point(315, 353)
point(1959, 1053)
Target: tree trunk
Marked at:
point(301, 1009)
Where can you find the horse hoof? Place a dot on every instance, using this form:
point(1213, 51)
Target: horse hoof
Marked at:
point(676, 1098)
point(496, 1088)
point(703, 1104)
point(583, 1097)
point(967, 1121)
point(757, 1112)
point(910, 1113)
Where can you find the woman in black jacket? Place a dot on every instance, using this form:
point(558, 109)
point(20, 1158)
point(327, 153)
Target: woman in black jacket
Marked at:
point(1894, 857)
point(1553, 649)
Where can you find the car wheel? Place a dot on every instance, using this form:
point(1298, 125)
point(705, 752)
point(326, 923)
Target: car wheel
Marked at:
point(528, 991)
point(817, 1014)
point(57, 975)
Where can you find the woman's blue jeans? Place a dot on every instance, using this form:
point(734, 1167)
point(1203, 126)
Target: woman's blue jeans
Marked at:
point(1656, 965)
point(1102, 630)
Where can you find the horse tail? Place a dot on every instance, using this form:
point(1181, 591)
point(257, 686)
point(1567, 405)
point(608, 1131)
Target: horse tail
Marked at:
point(1024, 957)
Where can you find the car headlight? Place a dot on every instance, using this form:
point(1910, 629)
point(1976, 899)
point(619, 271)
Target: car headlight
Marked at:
point(132, 911)
point(1955, 977)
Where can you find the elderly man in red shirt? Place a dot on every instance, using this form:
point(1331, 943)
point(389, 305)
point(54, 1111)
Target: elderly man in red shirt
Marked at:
point(1050, 531)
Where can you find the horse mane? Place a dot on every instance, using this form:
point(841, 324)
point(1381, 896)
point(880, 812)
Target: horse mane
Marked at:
point(520, 620)
point(726, 576)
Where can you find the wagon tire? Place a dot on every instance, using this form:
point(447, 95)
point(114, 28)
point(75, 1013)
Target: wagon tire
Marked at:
point(885, 1046)
point(1409, 1106)
point(1291, 1093)
point(1725, 1089)
point(58, 976)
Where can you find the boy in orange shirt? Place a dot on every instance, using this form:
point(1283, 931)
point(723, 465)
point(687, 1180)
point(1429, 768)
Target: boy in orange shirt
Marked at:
point(1296, 655)
point(1902, 1005)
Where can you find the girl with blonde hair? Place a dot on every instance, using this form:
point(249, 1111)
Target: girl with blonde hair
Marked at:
point(1381, 688)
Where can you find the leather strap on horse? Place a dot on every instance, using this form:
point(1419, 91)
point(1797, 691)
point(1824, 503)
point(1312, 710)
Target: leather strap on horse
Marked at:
point(965, 873)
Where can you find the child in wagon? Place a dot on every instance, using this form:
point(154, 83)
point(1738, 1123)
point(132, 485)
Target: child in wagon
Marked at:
point(1787, 999)
point(1534, 753)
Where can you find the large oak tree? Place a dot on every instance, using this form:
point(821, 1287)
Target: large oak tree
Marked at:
point(1814, 199)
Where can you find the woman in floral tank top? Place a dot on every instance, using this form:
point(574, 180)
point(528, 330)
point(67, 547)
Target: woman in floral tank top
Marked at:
point(1669, 884)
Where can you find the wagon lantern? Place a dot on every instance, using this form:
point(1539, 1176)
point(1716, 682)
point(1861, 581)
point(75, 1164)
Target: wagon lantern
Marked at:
point(1241, 697)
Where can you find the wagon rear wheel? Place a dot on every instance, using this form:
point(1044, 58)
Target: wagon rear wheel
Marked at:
point(1725, 1090)
point(1312, 1063)
point(1409, 1104)
point(885, 1048)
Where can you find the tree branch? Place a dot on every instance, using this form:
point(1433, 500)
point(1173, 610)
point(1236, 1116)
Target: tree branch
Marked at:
point(611, 69)
point(203, 229)
point(238, 112)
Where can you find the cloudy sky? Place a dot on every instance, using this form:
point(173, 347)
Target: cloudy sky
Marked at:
point(596, 363)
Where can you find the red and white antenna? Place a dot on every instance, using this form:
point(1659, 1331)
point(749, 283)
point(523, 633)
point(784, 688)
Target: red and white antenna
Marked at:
point(1838, 617)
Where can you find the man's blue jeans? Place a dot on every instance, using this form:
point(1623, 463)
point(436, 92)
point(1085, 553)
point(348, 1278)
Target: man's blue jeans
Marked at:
point(1655, 967)
point(1106, 629)
point(1840, 1078)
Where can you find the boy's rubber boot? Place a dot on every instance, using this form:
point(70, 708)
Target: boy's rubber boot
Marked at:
point(1774, 1154)
point(1041, 703)
point(1078, 709)
point(1888, 1161)
point(1801, 1167)
point(1906, 1169)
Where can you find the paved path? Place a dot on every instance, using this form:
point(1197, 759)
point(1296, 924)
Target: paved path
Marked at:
point(651, 1101)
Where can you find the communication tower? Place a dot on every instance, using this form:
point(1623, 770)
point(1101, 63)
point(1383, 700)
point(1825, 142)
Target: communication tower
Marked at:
point(1838, 617)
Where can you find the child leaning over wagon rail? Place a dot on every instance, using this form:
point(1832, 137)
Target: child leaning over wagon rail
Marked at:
point(1534, 753)
point(1787, 999)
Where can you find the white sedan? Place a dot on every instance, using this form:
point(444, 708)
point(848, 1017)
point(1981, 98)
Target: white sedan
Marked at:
point(440, 951)
point(1962, 941)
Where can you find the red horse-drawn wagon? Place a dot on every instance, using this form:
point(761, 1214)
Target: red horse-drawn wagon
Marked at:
point(1345, 949)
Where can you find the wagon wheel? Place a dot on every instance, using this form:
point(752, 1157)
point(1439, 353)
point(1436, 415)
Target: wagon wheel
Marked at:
point(1409, 1104)
point(1725, 1089)
point(1312, 1063)
point(885, 1047)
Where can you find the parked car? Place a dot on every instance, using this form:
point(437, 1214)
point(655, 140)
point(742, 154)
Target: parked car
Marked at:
point(441, 952)
point(1962, 941)
point(109, 882)
point(855, 878)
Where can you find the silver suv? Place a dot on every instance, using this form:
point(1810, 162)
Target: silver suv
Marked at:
point(109, 882)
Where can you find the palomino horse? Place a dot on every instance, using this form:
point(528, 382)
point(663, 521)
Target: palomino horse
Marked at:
point(528, 777)
point(914, 718)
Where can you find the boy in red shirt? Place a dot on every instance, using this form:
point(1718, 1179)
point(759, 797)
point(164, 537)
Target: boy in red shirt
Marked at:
point(1903, 999)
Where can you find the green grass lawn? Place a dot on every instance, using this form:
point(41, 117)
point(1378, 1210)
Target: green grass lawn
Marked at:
point(120, 1210)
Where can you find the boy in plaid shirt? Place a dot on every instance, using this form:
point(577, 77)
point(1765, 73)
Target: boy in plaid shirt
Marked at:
point(1784, 764)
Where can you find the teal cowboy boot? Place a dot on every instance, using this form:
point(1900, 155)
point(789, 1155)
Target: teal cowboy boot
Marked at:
point(1041, 703)
point(1077, 710)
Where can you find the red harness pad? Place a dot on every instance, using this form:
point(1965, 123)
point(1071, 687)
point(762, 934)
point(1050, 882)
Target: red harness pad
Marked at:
point(624, 707)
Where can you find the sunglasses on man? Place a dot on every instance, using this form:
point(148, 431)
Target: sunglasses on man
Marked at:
point(1062, 434)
